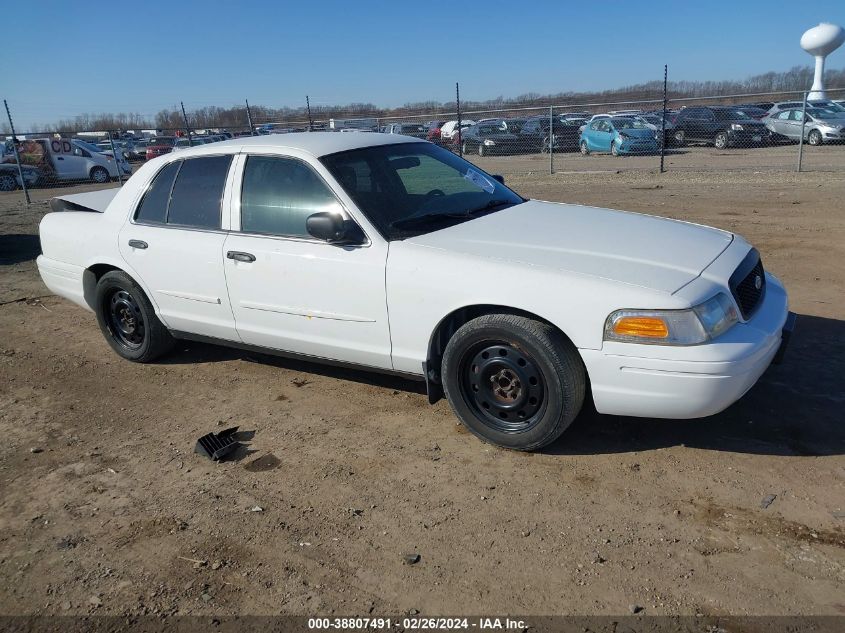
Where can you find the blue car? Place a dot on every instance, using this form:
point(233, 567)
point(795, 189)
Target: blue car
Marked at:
point(619, 135)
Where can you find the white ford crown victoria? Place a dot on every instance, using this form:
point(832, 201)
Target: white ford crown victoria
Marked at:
point(390, 253)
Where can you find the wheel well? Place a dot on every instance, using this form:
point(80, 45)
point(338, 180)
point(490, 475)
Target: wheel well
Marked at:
point(453, 321)
point(90, 278)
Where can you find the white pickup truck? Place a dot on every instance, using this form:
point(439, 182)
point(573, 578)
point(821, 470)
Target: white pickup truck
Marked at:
point(390, 253)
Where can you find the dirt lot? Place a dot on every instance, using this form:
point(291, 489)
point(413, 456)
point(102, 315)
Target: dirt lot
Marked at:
point(105, 509)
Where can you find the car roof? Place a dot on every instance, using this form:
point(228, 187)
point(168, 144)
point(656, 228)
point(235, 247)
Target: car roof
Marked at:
point(315, 143)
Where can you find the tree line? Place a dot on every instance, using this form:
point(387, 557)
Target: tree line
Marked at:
point(796, 79)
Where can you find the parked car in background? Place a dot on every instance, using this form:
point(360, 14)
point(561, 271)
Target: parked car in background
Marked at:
point(720, 126)
point(139, 149)
point(391, 254)
point(159, 146)
point(819, 126)
point(10, 177)
point(619, 135)
point(450, 127)
point(64, 159)
point(417, 130)
point(813, 103)
point(432, 133)
point(489, 138)
point(535, 136)
point(514, 126)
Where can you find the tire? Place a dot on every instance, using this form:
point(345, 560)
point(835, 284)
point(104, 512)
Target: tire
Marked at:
point(680, 138)
point(585, 149)
point(481, 149)
point(100, 175)
point(815, 137)
point(513, 381)
point(720, 141)
point(464, 148)
point(8, 182)
point(614, 148)
point(128, 321)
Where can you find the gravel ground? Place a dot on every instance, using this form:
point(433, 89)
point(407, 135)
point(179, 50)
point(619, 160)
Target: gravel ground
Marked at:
point(105, 509)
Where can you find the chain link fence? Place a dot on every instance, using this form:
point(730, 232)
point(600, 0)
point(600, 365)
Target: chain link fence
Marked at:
point(758, 132)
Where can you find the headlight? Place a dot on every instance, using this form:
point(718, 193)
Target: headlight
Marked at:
point(488, 142)
point(696, 325)
point(736, 126)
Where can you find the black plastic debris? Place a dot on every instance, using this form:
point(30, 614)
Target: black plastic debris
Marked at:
point(217, 445)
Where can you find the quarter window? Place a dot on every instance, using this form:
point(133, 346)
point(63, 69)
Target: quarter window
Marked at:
point(278, 194)
point(198, 191)
point(153, 207)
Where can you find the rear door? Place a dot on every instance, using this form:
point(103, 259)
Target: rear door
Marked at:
point(174, 241)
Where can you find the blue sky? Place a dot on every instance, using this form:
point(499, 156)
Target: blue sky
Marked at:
point(60, 59)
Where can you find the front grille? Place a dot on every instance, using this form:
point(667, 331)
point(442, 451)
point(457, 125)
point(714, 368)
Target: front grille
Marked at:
point(744, 284)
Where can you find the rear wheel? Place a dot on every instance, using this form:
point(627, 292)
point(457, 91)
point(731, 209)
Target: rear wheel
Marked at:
point(814, 138)
point(513, 381)
point(721, 140)
point(128, 320)
point(8, 182)
point(585, 150)
point(99, 175)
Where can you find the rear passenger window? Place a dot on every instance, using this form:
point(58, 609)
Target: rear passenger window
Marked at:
point(153, 207)
point(278, 194)
point(197, 193)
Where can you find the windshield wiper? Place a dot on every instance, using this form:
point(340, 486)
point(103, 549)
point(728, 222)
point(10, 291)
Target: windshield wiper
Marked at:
point(428, 218)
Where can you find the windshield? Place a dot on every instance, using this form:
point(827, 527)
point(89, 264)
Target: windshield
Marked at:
point(163, 140)
point(413, 188)
point(730, 114)
point(819, 113)
point(490, 129)
point(626, 124)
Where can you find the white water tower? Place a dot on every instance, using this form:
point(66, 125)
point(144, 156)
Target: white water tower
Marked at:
point(820, 41)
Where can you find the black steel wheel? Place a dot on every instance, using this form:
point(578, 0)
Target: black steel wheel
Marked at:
point(513, 381)
point(503, 384)
point(127, 319)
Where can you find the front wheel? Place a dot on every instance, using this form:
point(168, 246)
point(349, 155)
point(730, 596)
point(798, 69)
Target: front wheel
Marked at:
point(127, 319)
point(481, 149)
point(8, 182)
point(585, 150)
point(721, 140)
point(513, 381)
point(99, 175)
point(614, 148)
point(814, 138)
point(680, 138)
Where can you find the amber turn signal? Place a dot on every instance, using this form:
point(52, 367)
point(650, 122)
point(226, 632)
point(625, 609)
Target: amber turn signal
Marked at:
point(650, 327)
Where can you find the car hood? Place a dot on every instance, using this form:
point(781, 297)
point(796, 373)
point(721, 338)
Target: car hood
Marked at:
point(630, 248)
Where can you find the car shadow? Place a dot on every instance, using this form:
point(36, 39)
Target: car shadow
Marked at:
point(17, 248)
point(190, 353)
point(796, 409)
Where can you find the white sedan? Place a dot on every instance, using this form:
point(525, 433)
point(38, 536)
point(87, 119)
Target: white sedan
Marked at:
point(390, 253)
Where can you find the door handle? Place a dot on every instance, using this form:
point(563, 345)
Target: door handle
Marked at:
point(239, 256)
point(138, 244)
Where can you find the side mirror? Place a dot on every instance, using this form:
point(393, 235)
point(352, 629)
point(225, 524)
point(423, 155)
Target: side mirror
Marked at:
point(332, 228)
point(499, 178)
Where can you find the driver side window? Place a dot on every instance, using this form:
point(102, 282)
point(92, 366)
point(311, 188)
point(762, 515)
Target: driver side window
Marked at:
point(278, 194)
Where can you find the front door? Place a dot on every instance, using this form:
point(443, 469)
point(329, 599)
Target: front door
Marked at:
point(294, 293)
point(174, 243)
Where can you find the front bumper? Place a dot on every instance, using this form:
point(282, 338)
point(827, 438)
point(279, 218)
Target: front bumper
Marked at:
point(690, 382)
